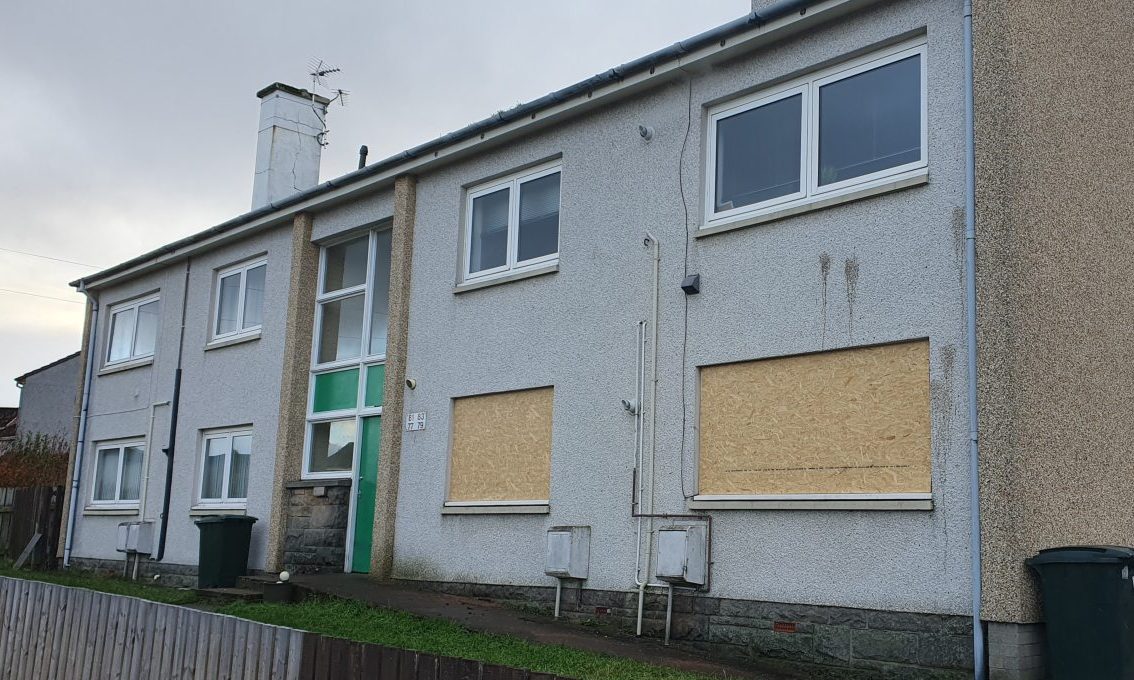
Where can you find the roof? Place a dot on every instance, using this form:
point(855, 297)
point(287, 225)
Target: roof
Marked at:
point(23, 378)
point(583, 88)
point(9, 418)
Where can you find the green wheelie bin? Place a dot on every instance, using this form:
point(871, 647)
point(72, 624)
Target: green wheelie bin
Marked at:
point(223, 554)
point(1088, 603)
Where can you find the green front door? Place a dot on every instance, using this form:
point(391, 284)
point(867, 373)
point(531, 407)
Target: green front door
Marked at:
point(365, 487)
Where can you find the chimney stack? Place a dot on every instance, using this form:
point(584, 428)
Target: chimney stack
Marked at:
point(288, 143)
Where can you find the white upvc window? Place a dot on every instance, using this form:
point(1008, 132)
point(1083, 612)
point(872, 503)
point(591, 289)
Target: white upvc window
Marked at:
point(225, 460)
point(352, 315)
point(849, 128)
point(118, 474)
point(133, 331)
point(512, 224)
point(239, 305)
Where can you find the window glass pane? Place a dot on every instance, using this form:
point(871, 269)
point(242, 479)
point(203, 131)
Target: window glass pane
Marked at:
point(375, 385)
point(106, 475)
point(335, 391)
point(539, 218)
point(332, 446)
point(238, 476)
point(212, 479)
point(758, 154)
point(346, 264)
point(121, 335)
point(228, 297)
point(870, 121)
point(488, 245)
point(380, 296)
point(146, 334)
point(131, 474)
point(254, 295)
point(341, 331)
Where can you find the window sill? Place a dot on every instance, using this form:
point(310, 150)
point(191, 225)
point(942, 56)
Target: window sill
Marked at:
point(125, 366)
point(507, 277)
point(909, 179)
point(121, 510)
point(312, 483)
point(490, 508)
point(229, 342)
point(846, 501)
point(201, 510)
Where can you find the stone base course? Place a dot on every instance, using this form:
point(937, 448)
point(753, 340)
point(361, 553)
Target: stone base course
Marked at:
point(315, 538)
point(833, 642)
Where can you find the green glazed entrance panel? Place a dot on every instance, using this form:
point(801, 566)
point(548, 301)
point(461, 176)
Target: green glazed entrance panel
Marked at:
point(366, 488)
point(336, 391)
point(375, 382)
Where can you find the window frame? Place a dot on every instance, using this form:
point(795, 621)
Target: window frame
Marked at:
point(120, 308)
point(225, 502)
point(511, 182)
point(221, 274)
point(117, 502)
point(809, 85)
point(362, 363)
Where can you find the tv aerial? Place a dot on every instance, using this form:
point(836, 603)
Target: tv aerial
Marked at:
point(322, 74)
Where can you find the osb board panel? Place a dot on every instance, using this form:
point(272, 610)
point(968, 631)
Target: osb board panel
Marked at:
point(847, 421)
point(502, 447)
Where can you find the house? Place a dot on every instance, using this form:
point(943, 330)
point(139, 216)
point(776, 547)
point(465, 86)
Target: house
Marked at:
point(47, 397)
point(723, 296)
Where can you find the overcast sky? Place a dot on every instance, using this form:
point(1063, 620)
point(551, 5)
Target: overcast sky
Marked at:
point(131, 124)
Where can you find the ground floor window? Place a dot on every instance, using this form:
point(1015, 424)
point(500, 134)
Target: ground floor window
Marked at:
point(118, 473)
point(225, 459)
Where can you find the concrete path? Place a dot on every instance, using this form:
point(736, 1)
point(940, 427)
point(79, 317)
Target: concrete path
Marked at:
point(489, 617)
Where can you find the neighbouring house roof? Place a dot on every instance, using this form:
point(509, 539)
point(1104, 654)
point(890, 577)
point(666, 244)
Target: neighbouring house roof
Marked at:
point(585, 88)
point(23, 378)
point(9, 417)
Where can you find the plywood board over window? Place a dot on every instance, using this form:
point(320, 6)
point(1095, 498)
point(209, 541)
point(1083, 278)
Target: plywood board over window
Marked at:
point(501, 449)
point(852, 421)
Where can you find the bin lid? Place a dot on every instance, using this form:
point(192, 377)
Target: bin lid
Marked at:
point(1084, 554)
point(219, 519)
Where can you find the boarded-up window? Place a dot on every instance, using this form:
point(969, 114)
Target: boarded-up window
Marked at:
point(847, 421)
point(502, 447)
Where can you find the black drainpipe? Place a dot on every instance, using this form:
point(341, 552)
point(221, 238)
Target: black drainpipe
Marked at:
point(172, 446)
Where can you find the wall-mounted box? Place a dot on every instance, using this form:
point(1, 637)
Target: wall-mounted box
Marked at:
point(135, 537)
point(568, 552)
point(683, 556)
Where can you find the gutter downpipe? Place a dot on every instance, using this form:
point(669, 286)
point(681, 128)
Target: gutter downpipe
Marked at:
point(176, 401)
point(980, 670)
point(76, 473)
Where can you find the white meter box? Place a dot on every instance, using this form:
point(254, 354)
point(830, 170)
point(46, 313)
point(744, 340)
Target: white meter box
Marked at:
point(683, 558)
point(568, 552)
point(135, 537)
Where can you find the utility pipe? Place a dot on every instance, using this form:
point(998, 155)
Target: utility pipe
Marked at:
point(171, 447)
point(980, 670)
point(76, 473)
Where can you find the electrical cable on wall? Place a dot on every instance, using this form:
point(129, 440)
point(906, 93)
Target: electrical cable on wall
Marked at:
point(685, 272)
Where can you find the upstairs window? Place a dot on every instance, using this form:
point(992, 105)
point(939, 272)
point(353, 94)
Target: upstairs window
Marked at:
point(239, 300)
point(133, 331)
point(118, 474)
point(850, 127)
point(513, 224)
point(353, 299)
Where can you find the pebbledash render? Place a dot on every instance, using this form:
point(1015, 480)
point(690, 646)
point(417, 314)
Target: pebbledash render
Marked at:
point(721, 289)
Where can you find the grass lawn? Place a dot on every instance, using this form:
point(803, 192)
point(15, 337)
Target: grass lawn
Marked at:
point(356, 621)
point(103, 584)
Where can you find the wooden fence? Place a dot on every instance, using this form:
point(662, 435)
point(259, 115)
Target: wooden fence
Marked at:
point(6, 498)
point(55, 632)
point(35, 510)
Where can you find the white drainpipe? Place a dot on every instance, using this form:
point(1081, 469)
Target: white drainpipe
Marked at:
point(80, 444)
